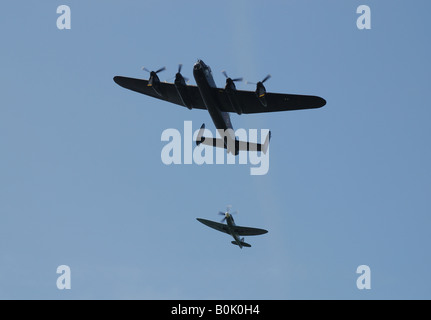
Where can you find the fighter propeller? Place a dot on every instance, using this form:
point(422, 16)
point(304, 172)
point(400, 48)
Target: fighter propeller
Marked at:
point(227, 213)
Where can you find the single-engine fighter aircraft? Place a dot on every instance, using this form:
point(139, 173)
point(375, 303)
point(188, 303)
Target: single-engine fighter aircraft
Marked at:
point(219, 102)
point(231, 228)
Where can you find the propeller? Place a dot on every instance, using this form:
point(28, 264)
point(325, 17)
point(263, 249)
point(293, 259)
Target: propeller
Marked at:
point(154, 80)
point(234, 80)
point(160, 70)
point(179, 75)
point(261, 90)
point(225, 214)
point(264, 79)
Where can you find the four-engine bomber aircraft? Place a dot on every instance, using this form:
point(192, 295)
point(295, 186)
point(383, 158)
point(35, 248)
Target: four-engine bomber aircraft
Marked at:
point(232, 229)
point(219, 102)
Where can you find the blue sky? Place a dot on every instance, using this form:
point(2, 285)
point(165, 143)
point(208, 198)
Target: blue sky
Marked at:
point(82, 182)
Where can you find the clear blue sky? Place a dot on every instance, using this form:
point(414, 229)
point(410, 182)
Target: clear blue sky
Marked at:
point(82, 182)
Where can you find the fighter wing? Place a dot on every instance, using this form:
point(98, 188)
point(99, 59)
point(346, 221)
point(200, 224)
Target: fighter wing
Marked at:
point(215, 225)
point(247, 231)
point(168, 91)
point(249, 103)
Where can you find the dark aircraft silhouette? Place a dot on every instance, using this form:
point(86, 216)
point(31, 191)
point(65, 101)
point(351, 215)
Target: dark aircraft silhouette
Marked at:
point(231, 228)
point(219, 102)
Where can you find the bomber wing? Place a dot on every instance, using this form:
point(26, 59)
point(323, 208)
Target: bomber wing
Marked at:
point(247, 100)
point(168, 91)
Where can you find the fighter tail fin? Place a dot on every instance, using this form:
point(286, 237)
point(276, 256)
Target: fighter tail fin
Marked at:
point(244, 244)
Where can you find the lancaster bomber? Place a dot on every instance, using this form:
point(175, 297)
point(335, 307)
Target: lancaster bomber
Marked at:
point(219, 102)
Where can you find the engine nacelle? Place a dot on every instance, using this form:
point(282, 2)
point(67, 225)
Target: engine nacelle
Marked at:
point(261, 94)
point(230, 90)
point(261, 91)
point(154, 82)
point(181, 86)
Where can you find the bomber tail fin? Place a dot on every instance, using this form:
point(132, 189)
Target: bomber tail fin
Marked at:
point(239, 145)
point(251, 146)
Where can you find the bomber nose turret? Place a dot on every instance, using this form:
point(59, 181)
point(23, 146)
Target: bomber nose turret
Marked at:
point(199, 65)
